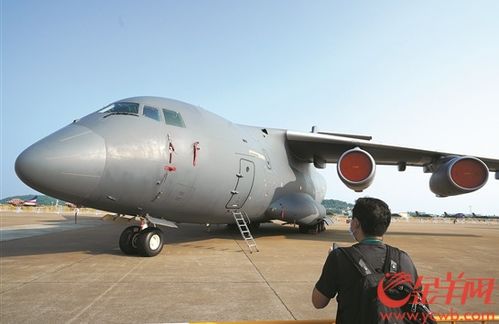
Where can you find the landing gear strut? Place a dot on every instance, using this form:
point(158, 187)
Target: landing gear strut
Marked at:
point(147, 242)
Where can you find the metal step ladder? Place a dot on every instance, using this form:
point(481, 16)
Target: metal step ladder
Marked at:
point(240, 218)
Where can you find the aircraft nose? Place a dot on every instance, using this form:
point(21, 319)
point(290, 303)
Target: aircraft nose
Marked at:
point(67, 164)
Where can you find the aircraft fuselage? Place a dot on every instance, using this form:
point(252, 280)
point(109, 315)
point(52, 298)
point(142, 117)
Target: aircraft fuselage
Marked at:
point(196, 170)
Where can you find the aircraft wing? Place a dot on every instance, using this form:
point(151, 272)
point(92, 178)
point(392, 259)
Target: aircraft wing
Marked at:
point(329, 148)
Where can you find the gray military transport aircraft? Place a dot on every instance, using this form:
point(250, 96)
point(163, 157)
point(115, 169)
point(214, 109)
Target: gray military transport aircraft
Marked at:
point(167, 162)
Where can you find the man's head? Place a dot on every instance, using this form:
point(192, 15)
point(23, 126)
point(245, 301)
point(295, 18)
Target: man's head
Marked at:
point(372, 216)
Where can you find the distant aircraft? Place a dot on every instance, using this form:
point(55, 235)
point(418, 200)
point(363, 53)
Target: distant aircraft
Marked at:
point(16, 202)
point(418, 214)
point(32, 202)
point(167, 162)
point(19, 202)
point(458, 215)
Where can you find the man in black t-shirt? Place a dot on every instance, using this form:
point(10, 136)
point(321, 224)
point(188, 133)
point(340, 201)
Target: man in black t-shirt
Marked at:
point(370, 220)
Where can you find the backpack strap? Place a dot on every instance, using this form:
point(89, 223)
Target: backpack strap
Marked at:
point(357, 259)
point(392, 259)
point(391, 264)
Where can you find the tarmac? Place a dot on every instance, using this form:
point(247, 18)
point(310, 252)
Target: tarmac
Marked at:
point(55, 271)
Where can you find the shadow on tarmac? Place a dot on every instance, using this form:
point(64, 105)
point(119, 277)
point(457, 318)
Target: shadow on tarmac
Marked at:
point(103, 238)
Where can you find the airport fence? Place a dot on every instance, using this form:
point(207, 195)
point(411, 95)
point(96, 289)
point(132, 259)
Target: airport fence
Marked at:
point(48, 210)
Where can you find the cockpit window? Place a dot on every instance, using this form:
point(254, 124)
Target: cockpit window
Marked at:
point(173, 118)
point(121, 108)
point(151, 112)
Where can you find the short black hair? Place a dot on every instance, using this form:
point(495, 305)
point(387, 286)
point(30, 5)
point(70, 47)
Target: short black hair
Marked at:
point(373, 214)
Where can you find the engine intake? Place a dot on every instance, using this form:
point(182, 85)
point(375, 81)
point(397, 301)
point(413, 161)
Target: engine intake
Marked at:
point(356, 169)
point(459, 175)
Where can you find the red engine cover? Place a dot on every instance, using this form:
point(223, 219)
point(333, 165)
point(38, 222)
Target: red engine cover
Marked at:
point(459, 175)
point(469, 173)
point(356, 169)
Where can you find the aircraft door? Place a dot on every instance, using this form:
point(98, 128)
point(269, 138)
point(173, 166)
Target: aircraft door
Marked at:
point(244, 184)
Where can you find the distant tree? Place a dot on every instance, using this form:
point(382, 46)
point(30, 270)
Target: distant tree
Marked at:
point(334, 206)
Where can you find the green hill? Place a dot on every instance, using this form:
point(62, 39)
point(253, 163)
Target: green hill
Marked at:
point(334, 206)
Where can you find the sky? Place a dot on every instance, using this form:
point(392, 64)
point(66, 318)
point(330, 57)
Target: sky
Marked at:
point(422, 74)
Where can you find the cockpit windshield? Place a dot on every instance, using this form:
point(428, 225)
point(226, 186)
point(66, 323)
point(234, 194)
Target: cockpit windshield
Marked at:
point(121, 108)
point(173, 118)
point(170, 117)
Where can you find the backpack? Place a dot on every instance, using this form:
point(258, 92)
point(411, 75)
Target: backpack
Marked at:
point(395, 300)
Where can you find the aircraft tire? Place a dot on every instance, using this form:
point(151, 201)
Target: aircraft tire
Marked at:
point(315, 229)
point(128, 240)
point(322, 226)
point(150, 242)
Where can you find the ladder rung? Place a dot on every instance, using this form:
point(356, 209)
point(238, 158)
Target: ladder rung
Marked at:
point(245, 232)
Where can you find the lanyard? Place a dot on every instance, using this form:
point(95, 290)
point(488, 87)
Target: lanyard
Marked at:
point(371, 241)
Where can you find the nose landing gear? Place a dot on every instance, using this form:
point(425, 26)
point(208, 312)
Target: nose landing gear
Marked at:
point(147, 242)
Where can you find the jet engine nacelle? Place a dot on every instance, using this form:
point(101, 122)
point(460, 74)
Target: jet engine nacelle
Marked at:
point(356, 168)
point(459, 175)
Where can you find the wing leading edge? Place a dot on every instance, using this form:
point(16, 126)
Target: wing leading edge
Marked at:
point(329, 148)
